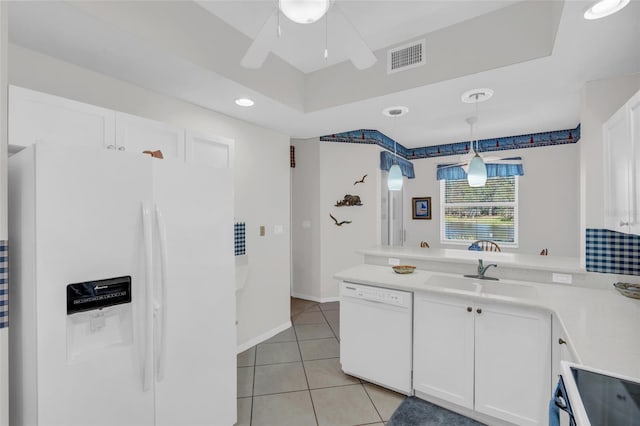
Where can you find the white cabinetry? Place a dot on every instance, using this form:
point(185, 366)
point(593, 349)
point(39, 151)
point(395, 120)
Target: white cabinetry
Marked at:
point(136, 134)
point(493, 358)
point(206, 150)
point(621, 156)
point(40, 117)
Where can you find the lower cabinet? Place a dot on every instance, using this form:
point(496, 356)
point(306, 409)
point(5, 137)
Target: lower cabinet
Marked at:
point(490, 357)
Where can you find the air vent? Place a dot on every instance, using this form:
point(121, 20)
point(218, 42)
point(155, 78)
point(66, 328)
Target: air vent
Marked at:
point(406, 56)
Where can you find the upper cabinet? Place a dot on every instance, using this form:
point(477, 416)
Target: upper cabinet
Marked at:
point(621, 155)
point(40, 117)
point(137, 134)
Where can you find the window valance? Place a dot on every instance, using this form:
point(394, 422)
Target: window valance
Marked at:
point(386, 161)
point(506, 167)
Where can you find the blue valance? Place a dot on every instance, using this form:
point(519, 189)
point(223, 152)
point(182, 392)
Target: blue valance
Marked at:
point(386, 161)
point(449, 172)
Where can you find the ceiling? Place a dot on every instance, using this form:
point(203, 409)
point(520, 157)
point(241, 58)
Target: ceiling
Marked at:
point(192, 51)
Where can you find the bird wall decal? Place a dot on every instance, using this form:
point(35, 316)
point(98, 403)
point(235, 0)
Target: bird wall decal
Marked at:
point(339, 223)
point(361, 180)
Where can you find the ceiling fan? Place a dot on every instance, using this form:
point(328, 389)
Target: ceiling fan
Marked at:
point(305, 12)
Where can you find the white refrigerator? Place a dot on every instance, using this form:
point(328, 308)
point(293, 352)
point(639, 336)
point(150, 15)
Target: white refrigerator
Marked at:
point(122, 290)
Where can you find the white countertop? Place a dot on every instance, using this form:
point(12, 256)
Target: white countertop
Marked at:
point(601, 325)
point(523, 261)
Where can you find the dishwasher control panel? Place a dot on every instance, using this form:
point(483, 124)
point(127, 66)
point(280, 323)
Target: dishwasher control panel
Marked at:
point(375, 294)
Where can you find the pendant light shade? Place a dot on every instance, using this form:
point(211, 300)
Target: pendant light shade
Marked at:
point(304, 11)
point(477, 175)
point(394, 179)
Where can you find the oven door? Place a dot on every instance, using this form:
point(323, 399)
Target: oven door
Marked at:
point(592, 396)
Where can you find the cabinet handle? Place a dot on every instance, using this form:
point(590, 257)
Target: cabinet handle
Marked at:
point(121, 148)
point(469, 309)
point(561, 341)
point(111, 147)
point(479, 310)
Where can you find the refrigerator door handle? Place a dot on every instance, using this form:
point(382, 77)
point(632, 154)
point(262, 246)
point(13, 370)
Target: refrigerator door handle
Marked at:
point(148, 304)
point(164, 257)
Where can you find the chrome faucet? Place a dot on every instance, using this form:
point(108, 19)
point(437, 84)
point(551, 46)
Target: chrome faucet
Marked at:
point(482, 269)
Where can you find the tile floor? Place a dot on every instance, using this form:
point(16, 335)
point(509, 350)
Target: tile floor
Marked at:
point(295, 379)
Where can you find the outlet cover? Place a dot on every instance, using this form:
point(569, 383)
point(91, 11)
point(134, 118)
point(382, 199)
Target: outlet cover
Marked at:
point(262, 230)
point(394, 261)
point(278, 229)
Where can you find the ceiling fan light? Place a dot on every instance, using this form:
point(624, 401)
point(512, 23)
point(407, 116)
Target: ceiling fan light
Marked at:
point(394, 179)
point(477, 175)
point(603, 8)
point(304, 11)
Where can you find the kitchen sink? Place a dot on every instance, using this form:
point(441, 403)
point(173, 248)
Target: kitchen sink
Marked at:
point(480, 287)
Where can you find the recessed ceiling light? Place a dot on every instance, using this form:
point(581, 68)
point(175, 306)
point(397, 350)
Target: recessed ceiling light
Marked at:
point(476, 95)
point(244, 102)
point(603, 8)
point(395, 111)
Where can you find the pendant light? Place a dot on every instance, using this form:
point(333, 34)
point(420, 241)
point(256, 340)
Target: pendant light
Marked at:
point(477, 173)
point(394, 178)
point(304, 11)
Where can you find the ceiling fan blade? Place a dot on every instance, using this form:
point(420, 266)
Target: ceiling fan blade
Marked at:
point(262, 44)
point(359, 53)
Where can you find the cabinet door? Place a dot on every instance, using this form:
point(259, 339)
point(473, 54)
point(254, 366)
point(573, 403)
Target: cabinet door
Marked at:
point(443, 348)
point(136, 134)
point(617, 154)
point(513, 364)
point(634, 128)
point(40, 117)
point(213, 151)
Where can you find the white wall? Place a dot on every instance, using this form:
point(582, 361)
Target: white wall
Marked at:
point(4, 333)
point(548, 201)
point(305, 220)
point(261, 173)
point(600, 99)
point(325, 173)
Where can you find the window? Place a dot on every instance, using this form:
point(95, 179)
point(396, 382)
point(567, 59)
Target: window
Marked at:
point(486, 213)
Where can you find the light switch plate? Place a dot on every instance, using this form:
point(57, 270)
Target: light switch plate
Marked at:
point(278, 229)
point(561, 278)
point(394, 261)
point(262, 230)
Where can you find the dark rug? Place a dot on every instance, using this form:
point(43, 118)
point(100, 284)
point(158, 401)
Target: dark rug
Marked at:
point(416, 412)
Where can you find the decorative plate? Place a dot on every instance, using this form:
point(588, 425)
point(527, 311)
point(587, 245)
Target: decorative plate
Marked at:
point(628, 289)
point(403, 269)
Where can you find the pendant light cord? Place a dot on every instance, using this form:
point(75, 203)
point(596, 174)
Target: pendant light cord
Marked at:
point(326, 34)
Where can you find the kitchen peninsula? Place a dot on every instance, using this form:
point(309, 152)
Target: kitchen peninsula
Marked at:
point(526, 321)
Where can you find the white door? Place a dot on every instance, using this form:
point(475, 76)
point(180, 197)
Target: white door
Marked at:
point(616, 154)
point(137, 134)
point(208, 150)
point(443, 348)
point(634, 118)
point(89, 227)
point(40, 117)
point(512, 363)
point(195, 356)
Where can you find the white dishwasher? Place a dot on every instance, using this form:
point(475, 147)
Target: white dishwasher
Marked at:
point(375, 335)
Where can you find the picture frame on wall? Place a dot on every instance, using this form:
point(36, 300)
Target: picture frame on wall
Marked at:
point(421, 208)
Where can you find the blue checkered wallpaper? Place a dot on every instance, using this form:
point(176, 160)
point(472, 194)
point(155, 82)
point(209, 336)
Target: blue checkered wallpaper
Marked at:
point(613, 252)
point(240, 238)
point(4, 284)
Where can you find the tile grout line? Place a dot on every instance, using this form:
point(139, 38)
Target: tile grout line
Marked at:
point(304, 369)
point(372, 403)
point(329, 324)
point(253, 391)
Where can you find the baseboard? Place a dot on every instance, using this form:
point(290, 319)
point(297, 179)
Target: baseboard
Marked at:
point(264, 336)
point(314, 298)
